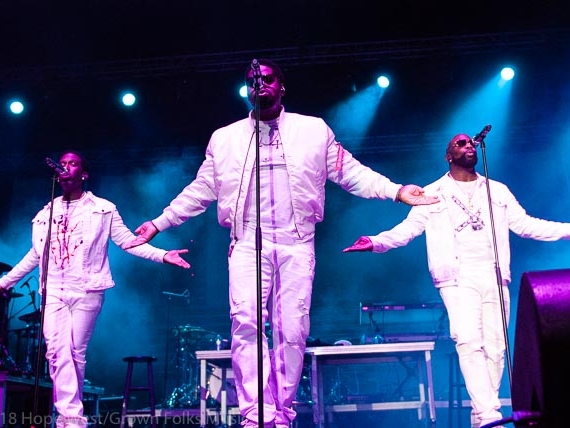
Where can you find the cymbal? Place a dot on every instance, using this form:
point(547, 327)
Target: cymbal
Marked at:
point(4, 267)
point(187, 329)
point(31, 317)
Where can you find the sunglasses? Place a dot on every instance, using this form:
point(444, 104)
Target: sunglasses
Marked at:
point(463, 143)
point(268, 79)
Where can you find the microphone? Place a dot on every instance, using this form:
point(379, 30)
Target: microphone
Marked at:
point(255, 66)
point(55, 166)
point(478, 139)
point(256, 73)
point(26, 283)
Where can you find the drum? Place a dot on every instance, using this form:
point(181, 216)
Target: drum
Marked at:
point(189, 339)
point(184, 397)
point(195, 338)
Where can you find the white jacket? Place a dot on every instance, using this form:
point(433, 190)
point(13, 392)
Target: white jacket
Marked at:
point(312, 156)
point(435, 220)
point(104, 222)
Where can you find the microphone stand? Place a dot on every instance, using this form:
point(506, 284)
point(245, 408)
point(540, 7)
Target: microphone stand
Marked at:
point(258, 245)
point(43, 289)
point(497, 267)
point(166, 356)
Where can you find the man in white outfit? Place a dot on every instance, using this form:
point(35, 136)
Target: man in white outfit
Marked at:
point(461, 261)
point(297, 154)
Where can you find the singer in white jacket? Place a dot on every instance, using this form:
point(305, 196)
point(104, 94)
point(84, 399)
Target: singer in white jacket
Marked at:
point(461, 262)
point(72, 255)
point(297, 154)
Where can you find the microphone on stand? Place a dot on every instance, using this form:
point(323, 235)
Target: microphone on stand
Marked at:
point(478, 139)
point(256, 73)
point(55, 166)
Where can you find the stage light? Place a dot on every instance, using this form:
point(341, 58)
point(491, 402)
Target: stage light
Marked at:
point(128, 99)
point(243, 91)
point(16, 107)
point(383, 82)
point(507, 73)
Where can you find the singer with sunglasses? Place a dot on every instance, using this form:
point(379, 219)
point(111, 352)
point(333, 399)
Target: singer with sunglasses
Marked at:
point(297, 154)
point(72, 255)
point(461, 261)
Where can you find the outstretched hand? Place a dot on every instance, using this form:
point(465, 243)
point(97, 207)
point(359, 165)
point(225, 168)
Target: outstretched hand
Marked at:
point(362, 244)
point(145, 232)
point(412, 194)
point(173, 258)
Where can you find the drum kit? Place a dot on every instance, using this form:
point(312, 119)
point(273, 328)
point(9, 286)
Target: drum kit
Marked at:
point(27, 338)
point(190, 339)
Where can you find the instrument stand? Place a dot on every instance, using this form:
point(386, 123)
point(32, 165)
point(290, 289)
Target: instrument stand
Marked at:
point(497, 266)
point(7, 363)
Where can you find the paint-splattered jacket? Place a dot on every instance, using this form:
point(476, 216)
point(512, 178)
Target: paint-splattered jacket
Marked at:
point(101, 222)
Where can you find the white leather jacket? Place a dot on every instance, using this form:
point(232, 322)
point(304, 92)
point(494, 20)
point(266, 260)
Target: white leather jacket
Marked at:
point(312, 156)
point(103, 223)
point(435, 220)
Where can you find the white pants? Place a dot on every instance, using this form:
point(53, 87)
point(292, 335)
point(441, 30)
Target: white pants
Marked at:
point(69, 320)
point(476, 326)
point(286, 281)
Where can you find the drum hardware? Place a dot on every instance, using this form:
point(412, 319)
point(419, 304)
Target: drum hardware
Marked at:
point(169, 295)
point(190, 338)
point(304, 389)
point(7, 363)
point(30, 333)
point(27, 340)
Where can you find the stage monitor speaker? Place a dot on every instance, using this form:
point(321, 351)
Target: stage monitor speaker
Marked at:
point(541, 367)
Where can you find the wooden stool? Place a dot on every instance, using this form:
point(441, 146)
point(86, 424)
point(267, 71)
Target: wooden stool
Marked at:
point(149, 388)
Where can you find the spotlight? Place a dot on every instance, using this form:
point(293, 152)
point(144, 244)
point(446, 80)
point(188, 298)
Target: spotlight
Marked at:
point(507, 73)
point(383, 81)
point(16, 107)
point(128, 99)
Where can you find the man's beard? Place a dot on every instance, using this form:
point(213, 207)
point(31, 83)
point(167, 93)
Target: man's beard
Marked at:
point(466, 162)
point(266, 102)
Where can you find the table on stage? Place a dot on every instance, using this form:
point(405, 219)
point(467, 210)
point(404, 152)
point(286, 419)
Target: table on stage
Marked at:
point(419, 353)
point(221, 359)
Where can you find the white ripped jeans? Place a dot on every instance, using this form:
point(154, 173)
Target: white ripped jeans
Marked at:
point(286, 282)
point(476, 326)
